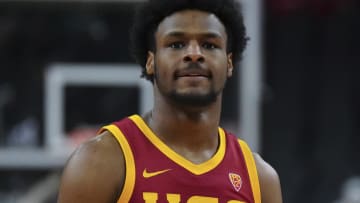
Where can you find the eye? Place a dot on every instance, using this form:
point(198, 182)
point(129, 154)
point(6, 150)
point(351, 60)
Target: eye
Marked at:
point(177, 45)
point(208, 45)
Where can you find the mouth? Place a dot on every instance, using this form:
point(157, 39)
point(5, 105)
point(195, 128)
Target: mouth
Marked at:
point(193, 77)
point(193, 73)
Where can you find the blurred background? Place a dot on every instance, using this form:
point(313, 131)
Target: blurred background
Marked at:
point(309, 110)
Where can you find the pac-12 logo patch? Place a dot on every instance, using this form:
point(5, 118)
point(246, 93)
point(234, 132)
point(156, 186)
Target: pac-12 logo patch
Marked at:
point(236, 181)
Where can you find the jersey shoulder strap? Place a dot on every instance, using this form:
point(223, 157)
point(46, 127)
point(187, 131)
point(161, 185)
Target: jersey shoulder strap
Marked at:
point(252, 170)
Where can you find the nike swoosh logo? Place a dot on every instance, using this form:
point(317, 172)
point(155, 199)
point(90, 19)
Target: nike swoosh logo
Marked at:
point(147, 174)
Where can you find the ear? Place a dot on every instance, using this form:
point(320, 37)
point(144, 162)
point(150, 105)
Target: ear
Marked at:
point(230, 66)
point(150, 63)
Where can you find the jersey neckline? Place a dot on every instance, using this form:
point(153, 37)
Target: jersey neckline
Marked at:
point(196, 169)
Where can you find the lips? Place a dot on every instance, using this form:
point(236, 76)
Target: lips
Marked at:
point(192, 72)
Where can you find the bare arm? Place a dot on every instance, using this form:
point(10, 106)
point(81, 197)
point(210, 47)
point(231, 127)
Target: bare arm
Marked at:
point(269, 181)
point(94, 173)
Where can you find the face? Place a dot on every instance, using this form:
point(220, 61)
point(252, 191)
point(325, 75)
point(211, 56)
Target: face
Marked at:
point(191, 64)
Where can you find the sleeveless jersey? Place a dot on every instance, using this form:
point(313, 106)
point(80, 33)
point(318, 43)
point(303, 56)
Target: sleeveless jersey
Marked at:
point(157, 174)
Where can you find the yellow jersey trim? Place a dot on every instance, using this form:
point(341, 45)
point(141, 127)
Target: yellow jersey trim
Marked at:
point(196, 169)
point(129, 183)
point(251, 166)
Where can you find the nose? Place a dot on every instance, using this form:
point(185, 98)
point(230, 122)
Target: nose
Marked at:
point(193, 53)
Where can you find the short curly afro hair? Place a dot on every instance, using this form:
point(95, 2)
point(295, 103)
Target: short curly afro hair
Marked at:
point(150, 14)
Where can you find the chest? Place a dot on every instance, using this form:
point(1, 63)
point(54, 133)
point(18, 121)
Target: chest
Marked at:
point(163, 176)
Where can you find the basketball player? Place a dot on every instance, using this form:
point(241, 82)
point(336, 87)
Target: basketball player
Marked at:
point(177, 153)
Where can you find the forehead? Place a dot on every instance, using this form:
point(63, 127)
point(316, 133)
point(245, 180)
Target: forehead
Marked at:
point(191, 22)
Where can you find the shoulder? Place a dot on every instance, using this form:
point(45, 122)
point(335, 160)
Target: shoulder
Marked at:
point(94, 172)
point(269, 181)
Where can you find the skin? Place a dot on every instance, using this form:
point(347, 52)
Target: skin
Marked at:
point(183, 38)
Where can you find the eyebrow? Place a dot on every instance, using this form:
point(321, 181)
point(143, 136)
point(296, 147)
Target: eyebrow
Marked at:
point(182, 34)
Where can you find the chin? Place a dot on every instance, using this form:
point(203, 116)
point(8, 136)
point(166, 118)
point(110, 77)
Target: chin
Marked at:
point(193, 99)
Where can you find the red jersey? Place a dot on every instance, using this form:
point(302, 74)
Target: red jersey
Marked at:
point(157, 174)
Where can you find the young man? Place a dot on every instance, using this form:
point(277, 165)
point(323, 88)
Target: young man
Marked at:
point(176, 153)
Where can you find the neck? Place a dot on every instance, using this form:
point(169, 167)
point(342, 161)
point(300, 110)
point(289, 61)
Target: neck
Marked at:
point(185, 127)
